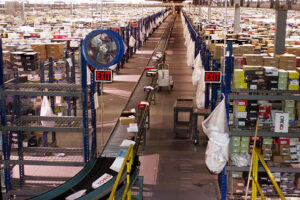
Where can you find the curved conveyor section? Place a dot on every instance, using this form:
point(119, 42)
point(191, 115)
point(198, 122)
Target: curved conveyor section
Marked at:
point(96, 167)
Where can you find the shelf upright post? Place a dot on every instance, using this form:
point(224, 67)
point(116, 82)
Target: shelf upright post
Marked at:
point(84, 100)
point(136, 39)
point(138, 35)
point(51, 80)
point(131, 33)
point(7, 179)
point(93, 112)
point(42, 80)
point(207, 68)
point(17, 99)
point(227, 88)
point(127, 43)
point(68, 81)
point(73, 79)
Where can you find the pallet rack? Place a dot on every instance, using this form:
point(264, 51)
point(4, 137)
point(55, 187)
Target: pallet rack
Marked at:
point(21, 124)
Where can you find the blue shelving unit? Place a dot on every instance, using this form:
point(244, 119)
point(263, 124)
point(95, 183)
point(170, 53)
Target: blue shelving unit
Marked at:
point(20, 124)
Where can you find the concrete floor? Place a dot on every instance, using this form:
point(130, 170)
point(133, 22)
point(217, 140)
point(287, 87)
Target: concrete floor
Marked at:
point(174, 168)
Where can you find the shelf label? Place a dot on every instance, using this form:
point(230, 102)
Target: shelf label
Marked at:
point(104, 76)
point(212, 77)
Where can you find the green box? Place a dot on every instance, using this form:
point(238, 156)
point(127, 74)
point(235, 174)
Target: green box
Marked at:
point(289, 104)
point(244, 145)
point(236, 149)
point(235, 139)
point(267, 140)
point(292, 116)
point(282, 86)
point(289, 110)
point(282, 73)
point(237, 174)
point(245, 139)
point(244, 150)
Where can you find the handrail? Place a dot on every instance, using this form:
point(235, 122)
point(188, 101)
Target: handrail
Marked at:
point(127, 160)
point(257, 156)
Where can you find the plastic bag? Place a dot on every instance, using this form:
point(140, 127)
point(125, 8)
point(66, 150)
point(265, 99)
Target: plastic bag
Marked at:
point(242, 160)
point(131, 41)
point(46, 111)
point(191, 53)
point(215, 126)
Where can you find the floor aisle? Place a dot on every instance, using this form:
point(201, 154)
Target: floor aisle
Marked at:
point(174, 168)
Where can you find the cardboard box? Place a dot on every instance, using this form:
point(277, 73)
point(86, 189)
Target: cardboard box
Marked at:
point(278, 159)
point(287, 61)
point(271, 61)
point(254, 59)
point(295, 50)
point(40, 49)
point(238, 183)
point(127, 120)
point(247, 49)
point(55, 50)
point(284, 149)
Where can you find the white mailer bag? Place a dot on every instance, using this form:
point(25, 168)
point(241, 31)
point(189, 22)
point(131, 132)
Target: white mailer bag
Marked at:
point(76, 195)
point(196, 73)
point(191, 53)
point(46, 111)
point(131, 41)
point(216, 129)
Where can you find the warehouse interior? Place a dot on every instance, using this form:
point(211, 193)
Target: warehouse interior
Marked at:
point(138, 99)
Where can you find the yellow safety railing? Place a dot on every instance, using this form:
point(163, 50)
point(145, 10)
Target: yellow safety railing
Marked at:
point(254, 168)
point(255, 186)
point(128, 160)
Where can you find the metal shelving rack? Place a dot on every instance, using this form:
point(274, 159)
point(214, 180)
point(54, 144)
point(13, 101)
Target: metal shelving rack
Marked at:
point(247, 94)
point(22, 124)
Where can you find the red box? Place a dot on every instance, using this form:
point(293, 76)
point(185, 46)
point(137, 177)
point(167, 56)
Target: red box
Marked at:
point(264, 115)
point(239, 62)
point(141, 105)
point(283, 141)
point(241, 102)
point(59, 36)
point(257, 138)
point(149, 68)
point(34, 35)
point(264, 109)
point(298, 62)
point(116, 29)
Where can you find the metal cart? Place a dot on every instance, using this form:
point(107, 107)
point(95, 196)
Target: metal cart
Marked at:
point(164, 78)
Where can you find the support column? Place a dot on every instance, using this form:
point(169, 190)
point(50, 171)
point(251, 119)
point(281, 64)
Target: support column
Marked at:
point(280, 34)
point(209, 13)
point(237, 16)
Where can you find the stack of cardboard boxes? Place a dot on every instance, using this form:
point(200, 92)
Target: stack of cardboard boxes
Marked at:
point(54, 50)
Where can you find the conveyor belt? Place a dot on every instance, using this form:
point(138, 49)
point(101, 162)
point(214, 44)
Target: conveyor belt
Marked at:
point(97, 167)
point(119, 132)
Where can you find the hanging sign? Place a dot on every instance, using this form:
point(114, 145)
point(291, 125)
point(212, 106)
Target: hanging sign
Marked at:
point(212, 77)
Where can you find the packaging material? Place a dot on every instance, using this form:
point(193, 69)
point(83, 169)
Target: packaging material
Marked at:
point(254, 59)
point(287, 61)
point(55, 50)
point(40, 49)
point(271, 61)
point(127, 120)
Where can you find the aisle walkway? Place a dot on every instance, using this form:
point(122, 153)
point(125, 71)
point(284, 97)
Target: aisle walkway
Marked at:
point(175, 168)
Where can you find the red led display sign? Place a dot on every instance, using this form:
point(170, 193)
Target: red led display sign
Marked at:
point(103, 76)
point(212, 77)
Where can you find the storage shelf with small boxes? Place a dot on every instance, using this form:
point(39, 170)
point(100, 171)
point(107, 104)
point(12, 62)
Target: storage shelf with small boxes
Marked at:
point(256, 84)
